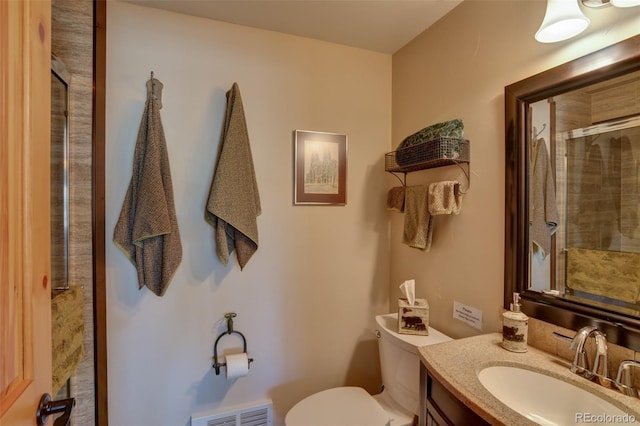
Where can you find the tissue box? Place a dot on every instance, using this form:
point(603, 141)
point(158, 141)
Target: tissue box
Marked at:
point(413, 319)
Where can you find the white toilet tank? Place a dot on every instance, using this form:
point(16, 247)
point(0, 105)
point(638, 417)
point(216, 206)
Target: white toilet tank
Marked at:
point(400, 362)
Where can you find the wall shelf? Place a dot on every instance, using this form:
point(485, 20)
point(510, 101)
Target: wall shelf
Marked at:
point(427, 155)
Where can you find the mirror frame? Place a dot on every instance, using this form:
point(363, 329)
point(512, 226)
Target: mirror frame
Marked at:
point(609, 62)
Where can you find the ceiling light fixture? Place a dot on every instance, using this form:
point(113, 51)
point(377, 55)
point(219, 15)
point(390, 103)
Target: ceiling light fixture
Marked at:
point(625, 3)
point(562, 20)
point(597, 4)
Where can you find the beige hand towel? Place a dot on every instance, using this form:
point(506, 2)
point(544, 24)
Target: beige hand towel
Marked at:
point(147, 229)
point(445, 198)
point(395, 199)
point(67, 335)
point(234, 203)
point(603, 272)
point(417, 220)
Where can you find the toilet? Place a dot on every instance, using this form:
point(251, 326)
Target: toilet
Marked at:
point(396, 405)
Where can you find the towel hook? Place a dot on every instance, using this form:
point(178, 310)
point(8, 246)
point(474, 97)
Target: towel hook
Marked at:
point(536, 134)
point(154, 88)
point(216, 365)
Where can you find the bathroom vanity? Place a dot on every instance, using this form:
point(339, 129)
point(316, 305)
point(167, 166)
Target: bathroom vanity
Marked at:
point(441, 407)
point(451, 391)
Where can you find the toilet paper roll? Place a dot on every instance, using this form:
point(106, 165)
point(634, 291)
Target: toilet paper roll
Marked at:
point(237, 365)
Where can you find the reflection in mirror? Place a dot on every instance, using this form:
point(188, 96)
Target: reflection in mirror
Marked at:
point(572, 237)
point(583, 194)
point(59, 176)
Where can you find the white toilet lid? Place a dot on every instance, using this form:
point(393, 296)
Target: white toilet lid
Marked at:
point(345, 406)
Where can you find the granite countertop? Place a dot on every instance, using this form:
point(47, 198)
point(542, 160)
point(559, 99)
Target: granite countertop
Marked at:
point(456, 365)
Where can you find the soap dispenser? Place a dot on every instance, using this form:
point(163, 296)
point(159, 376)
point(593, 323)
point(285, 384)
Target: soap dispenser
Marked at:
point(515, 325)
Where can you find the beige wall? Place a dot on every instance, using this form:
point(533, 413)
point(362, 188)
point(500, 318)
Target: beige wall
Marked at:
point(306, 301)
point(458, 69)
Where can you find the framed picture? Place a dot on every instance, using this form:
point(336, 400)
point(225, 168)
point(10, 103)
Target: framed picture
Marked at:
point(320, 168)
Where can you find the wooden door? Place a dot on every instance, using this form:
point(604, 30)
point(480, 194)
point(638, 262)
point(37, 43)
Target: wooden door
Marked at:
point(25, 293)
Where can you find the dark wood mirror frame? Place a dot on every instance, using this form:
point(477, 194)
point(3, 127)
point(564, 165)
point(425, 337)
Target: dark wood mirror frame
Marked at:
point(604, 64)
point(99, 196)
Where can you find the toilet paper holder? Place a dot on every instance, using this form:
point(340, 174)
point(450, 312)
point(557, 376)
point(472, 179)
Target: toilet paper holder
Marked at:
point(230, 330)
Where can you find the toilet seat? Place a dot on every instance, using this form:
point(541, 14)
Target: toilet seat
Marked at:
point(344, 406)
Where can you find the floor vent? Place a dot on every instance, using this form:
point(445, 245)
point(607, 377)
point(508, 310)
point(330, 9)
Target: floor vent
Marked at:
point(246, 415)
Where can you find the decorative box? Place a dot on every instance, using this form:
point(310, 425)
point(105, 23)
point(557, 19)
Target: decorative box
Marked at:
point(413, 319)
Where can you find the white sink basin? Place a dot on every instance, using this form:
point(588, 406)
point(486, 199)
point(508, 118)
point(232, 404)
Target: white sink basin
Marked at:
point(547, 400)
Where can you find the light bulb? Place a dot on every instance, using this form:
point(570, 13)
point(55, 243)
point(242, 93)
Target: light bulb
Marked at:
point(625, 3)
point(562, 20)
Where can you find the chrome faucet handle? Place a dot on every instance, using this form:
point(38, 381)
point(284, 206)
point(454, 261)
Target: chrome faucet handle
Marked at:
point(580, 363)
point(623, 379)
point(601, 361)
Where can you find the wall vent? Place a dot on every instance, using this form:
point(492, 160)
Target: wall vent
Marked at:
point(258, 414)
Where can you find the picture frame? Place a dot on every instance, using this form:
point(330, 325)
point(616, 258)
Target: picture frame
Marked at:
point(320, 175)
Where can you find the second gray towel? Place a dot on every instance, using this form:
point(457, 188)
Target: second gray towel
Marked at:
point(395, 199)
point(234, 203)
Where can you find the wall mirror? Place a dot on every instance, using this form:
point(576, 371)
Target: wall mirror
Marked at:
point(572, 212)
point(59, 175)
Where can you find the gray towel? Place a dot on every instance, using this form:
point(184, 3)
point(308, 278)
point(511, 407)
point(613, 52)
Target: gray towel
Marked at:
point(417, 220)
point(147, 229)
point(395, 199)
point(622, 184)
point(234, 203)
point(595, 220)
point(543, 208)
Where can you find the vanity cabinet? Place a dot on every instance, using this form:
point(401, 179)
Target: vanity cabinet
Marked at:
point(439, 407)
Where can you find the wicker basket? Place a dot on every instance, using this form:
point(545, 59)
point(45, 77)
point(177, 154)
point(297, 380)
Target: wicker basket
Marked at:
point(429, 154)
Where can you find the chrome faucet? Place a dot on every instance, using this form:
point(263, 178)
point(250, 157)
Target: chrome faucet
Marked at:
point(623, 379)
point(599, 371)
point(580, 366)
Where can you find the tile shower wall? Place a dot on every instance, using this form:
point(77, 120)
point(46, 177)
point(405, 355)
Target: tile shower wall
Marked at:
point(576, 110)
point(72, 42)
